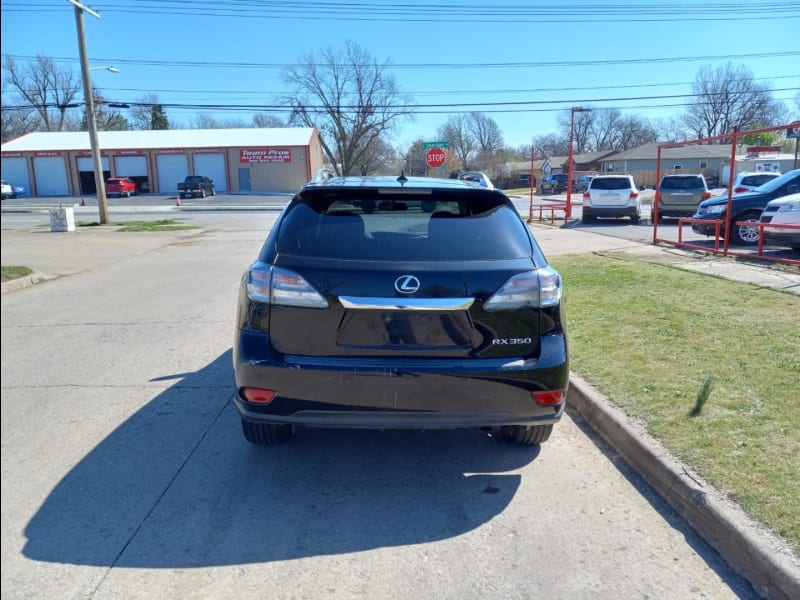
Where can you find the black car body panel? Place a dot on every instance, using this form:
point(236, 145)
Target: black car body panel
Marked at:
point(407, 314)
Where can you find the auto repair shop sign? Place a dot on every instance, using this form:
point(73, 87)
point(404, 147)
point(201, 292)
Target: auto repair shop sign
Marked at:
point(271, 155)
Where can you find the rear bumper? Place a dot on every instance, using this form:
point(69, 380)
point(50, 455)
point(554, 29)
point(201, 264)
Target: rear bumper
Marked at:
point(404, 393)
point(610, 211)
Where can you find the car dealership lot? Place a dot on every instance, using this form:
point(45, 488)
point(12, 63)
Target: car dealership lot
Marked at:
point(124, 473)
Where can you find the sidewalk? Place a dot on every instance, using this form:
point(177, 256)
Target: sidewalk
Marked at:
point(765, 561)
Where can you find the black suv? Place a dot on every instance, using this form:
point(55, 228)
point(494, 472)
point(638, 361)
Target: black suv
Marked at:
point(556, 183)
point(744, 207)
point(394, 302)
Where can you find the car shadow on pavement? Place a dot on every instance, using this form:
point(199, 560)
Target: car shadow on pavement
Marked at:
point(176, 486)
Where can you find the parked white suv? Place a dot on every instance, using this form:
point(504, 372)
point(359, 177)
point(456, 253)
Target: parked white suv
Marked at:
point(747, 182)
point(612, 196)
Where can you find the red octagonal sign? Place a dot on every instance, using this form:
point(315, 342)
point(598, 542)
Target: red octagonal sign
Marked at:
point(435, 158)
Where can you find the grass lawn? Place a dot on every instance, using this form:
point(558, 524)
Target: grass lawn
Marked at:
point(650, 336)
point(12, 272)
point(158, 225)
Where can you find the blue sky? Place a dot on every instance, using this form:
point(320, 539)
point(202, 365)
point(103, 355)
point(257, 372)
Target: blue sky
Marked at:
point(638, 56)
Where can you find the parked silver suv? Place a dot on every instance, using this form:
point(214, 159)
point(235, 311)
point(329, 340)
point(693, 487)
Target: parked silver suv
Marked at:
point(612, 196)
point(679, 195)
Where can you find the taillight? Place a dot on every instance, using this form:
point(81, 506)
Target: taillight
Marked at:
point(532, 289)
point(283, 287)
point(634, 195)
point(739, 190)
point(586, 195)
point(258, 395)
point(550, 397)
point(706, 195)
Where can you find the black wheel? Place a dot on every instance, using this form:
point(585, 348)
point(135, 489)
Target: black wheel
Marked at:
point(745, 235)
point(527, 435)
point(266, 434)
point(635, 219)
point(182, 196)
point(203, 193)
point(588, 219)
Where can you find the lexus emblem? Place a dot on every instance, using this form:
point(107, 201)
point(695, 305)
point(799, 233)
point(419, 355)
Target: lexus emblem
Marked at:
point(406, 284)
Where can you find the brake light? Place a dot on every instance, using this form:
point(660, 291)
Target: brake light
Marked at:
point(634, 195)
point(706, 195)
point(586, 195)
point(283, 287)
point(258, 395)
point(549, 397)
point(532, 289)
point(739, 190)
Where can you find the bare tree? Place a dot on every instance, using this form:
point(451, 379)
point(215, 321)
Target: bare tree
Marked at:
point(414, 159)
point(582, 130)
point(268, 121)
point(148, 113)
point(45, 88)
point(670, 130)
point(206, 121)
point(17, 121)
point(551, 144)
point(380, 158)
point(457, 133)
point(351, 98)
point(726, 98)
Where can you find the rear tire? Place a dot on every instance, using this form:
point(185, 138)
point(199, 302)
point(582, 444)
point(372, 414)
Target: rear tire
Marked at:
point(530, 435)
point(635, 219)
point(588, 219)
point(266, 434)
point(213, 191)
point(202, 193)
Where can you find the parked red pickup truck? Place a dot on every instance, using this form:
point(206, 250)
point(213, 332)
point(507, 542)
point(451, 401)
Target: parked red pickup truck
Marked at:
point(196, 185)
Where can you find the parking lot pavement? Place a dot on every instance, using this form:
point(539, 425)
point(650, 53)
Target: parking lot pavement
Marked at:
point(741, 542)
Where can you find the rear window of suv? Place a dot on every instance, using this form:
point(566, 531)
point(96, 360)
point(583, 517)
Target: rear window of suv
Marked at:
point(682, 182)
point(402, 227)
point(610, 183)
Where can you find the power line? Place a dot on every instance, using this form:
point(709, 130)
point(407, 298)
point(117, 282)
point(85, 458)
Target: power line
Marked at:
point(423, 12)
point(494, 65)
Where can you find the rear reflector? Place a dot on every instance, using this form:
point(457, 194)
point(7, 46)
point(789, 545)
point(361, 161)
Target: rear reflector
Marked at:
point(258, 395)
point(550, 397)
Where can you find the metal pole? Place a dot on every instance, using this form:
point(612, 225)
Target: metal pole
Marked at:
point(102, 203)
point(530, 180)
point(796, 140)
point(569, 166)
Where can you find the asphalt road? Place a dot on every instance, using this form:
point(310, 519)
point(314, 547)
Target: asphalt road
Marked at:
point(125, 474)
point(224, 210)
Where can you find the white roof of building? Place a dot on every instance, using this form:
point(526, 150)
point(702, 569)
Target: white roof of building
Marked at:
point(162, 138)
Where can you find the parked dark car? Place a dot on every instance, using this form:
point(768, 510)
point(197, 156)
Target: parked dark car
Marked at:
point(394, 302)
point(556, 183)
point(196, 185)
point(744, 207)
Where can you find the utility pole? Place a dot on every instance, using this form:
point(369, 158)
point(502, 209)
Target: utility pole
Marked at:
point(91, 121)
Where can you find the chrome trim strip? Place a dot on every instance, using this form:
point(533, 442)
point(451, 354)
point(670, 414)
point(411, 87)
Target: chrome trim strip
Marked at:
point(428, 304)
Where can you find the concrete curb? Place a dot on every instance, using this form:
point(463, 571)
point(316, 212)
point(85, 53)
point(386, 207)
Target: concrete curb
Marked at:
point(23, 282)
point(757, 555)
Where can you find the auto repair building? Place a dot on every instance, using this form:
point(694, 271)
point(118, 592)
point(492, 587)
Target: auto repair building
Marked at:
point(51, 164)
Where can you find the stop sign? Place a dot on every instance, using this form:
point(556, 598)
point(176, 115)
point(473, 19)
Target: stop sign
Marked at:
point(435, 158)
